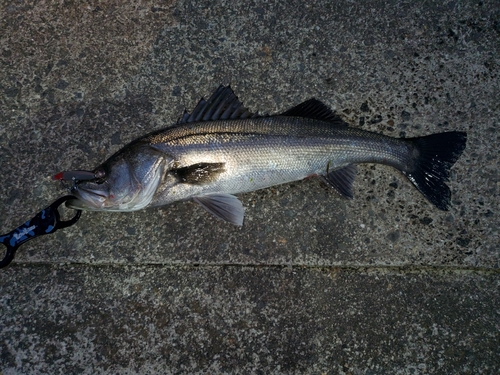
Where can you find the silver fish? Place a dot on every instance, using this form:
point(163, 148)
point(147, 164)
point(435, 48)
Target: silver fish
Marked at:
point(221, 149)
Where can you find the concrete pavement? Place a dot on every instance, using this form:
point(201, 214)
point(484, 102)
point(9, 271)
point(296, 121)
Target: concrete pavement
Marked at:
point(312, 283)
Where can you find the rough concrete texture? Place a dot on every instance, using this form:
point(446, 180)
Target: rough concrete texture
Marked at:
point(311, 283)
point(150, 319)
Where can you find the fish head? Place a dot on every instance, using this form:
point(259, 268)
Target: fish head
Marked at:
point(125, 182)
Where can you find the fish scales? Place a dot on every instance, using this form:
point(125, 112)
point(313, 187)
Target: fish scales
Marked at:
point(263, 152)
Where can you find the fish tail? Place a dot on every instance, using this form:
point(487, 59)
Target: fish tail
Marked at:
point(435, 155)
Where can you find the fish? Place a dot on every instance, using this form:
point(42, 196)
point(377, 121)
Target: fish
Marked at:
point(221, 149)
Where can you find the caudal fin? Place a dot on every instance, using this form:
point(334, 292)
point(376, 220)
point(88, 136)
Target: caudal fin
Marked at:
point(436, 155)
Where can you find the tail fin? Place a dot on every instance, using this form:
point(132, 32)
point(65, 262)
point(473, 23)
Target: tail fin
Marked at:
point(436, 155)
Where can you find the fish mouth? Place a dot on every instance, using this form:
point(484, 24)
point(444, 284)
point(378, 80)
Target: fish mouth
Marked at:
point(87, 199)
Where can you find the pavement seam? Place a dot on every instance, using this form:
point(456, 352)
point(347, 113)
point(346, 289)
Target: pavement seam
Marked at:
point(403, 270)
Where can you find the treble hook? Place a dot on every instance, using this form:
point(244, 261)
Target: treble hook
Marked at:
point(46, 221)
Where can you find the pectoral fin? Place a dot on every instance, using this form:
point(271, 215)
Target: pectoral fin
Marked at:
point(223, 206)
point(199, 173)
point(341, 180)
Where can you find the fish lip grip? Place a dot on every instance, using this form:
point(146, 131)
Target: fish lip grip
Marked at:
point(45, 222)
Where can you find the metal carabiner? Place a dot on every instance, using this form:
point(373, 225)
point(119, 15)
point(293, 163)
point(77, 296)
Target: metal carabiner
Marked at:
point(46, 221)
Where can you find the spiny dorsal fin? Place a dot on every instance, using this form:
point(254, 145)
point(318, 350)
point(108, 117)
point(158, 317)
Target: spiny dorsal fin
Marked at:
point(316, 110)
point(223, 104)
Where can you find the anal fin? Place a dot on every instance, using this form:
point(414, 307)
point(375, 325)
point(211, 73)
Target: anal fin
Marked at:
point(223, 206)
point(341, 180)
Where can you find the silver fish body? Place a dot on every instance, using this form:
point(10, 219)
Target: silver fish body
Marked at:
point(221, 149)
point(263, 152)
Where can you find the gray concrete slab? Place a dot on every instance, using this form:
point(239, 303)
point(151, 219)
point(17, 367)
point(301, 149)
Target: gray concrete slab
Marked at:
point(311, 283)
point(149, 319)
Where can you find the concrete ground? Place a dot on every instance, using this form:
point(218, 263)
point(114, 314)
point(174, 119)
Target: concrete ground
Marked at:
point(312, 283)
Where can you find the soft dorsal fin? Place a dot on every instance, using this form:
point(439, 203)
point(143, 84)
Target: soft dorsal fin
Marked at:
point(316, 110)
point(223, 104)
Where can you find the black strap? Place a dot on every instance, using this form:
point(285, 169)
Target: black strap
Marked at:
point(46, 221)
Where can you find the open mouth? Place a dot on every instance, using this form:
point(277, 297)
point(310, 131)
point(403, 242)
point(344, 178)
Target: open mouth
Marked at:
point(87, 199)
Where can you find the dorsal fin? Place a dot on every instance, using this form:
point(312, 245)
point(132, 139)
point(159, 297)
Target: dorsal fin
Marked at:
point(223, 104)
point(316, 110)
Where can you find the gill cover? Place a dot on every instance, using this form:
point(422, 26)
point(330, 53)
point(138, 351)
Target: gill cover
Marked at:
point(127, 181)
